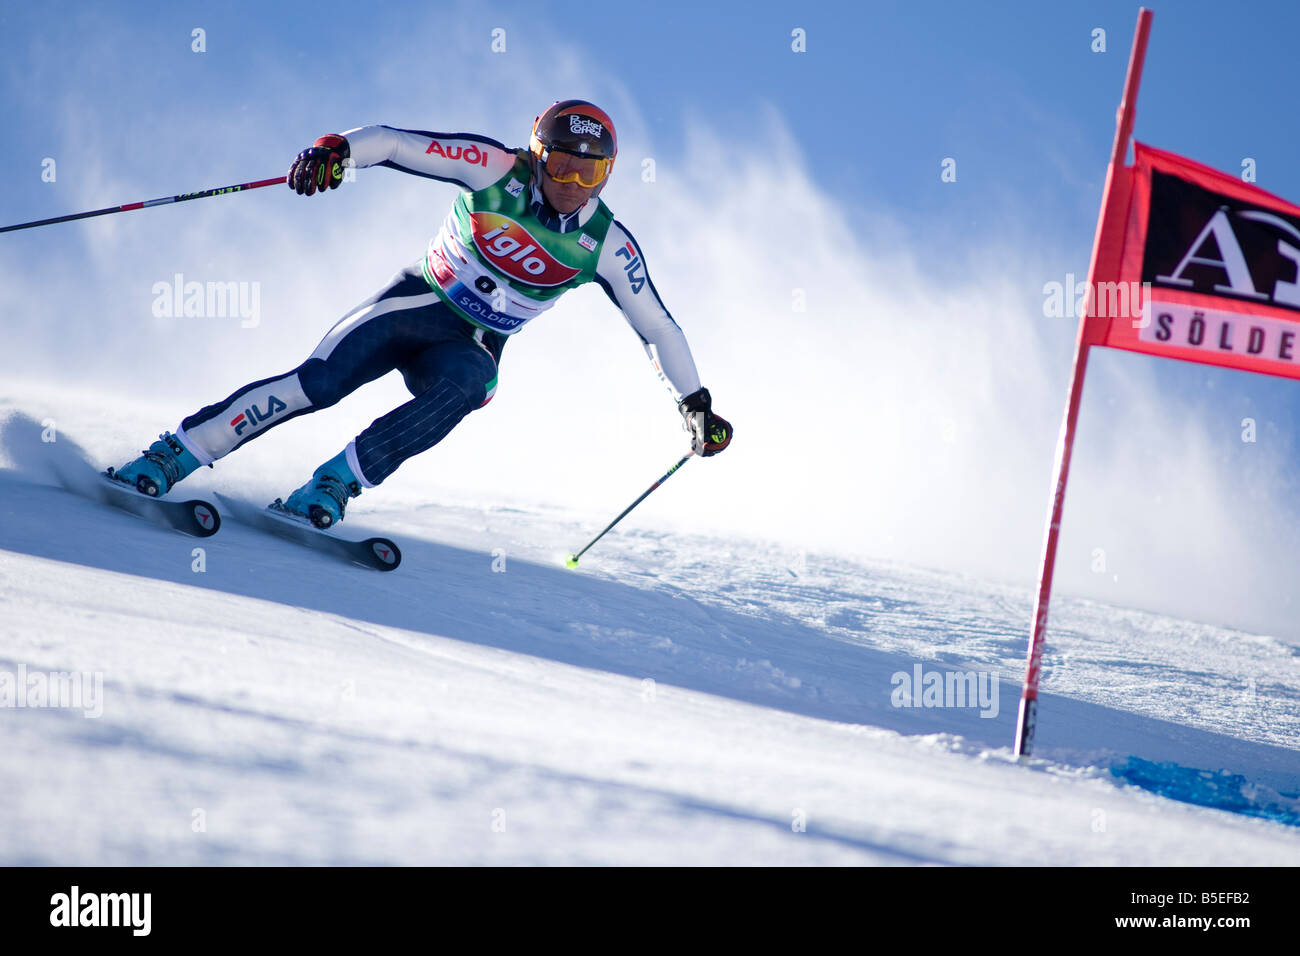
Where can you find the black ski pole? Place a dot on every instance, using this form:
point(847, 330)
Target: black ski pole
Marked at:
point(129, 207)
point(572, 560)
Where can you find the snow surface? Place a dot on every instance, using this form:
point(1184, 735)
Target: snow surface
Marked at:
point(682, 698)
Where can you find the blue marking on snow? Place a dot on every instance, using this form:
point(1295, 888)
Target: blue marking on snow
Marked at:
point(1219, 789)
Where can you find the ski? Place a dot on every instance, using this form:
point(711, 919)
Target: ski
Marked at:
point(194, 517)
point(380, 554)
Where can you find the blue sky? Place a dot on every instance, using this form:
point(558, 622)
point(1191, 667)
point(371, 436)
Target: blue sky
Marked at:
point(883, 94)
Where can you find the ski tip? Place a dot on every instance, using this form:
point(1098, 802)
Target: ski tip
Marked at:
point(571, 561)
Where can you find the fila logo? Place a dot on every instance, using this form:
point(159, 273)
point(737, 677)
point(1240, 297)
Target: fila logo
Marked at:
point(585, 127)
point(254, 416)
point(633, 264)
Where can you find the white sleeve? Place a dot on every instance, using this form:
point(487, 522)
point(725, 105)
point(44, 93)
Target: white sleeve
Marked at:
point(621, 272)
point(469, 161)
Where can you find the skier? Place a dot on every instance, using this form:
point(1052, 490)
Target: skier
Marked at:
point(527, 227)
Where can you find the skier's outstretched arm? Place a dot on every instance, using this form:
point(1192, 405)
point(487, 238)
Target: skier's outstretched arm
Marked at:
point(622, 273)
point(466, 159)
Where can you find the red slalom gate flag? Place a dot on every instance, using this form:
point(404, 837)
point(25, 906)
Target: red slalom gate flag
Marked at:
point(1188, 263)
point(1209, 269)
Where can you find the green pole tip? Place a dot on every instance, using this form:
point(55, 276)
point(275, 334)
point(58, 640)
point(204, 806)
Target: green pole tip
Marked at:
point(571, 561)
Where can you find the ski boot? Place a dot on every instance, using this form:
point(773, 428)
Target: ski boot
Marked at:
point(157, 469)
point(324, 498)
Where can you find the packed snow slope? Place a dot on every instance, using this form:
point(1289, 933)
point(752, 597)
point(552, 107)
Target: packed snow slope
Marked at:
point(678, 699)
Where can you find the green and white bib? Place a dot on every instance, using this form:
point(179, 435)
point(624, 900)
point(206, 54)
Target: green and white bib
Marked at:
point(498, 266)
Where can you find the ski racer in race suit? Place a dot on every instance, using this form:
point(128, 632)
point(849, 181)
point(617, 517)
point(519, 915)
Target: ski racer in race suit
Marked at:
point(527, 227)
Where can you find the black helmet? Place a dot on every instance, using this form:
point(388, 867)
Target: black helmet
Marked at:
point(575, 128)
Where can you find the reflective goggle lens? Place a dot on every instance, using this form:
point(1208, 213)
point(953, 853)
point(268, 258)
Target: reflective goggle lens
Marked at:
point(586, 171)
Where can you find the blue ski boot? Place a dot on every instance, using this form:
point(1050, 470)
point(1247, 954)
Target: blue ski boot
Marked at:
point(154, 473)
point(324, 498)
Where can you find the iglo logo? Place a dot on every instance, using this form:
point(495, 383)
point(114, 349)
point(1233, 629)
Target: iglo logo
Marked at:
point(511, 248)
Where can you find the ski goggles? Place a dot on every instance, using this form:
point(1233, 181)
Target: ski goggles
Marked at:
point(566, 167)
